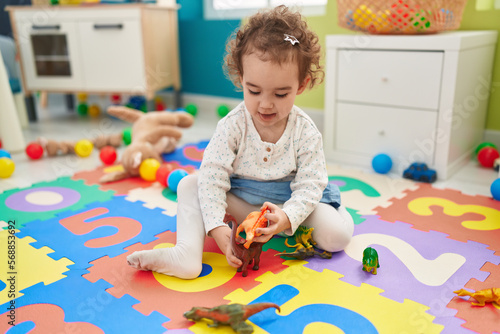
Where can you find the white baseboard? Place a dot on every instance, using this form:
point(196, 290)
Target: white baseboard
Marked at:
point(492, 136)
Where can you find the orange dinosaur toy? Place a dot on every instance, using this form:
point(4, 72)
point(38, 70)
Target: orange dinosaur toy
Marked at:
point(252, 222)
point(482, 296)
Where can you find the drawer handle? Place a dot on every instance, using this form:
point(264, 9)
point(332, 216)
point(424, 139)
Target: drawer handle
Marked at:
point(381, 133)
point(385, 79)
point(52, 27)
point(108, 26)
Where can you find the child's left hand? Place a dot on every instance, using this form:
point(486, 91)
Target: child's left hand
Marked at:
point(278, 222)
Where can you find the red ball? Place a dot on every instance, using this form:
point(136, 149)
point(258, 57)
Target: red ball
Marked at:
point(34, 150)
point(0, 143)
point(108, 155)
point(162, 174)
point(487, 156)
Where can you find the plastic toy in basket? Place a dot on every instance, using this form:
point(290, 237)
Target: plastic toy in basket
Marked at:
point(400, 16)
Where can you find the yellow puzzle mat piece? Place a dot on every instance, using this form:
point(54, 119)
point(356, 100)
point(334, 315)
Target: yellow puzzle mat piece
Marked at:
point(26, 266)
point(386, 315)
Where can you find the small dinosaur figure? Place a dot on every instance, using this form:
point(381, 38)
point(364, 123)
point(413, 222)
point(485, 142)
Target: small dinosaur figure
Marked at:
point(370, 260)
point(246, 255)
point(233, 315)
point(252, 222)
point(304, 245)
point(482, 296)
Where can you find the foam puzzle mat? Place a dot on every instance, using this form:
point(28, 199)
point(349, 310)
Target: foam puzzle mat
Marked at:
point(64, 245)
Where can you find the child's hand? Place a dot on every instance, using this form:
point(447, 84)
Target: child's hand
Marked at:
point(222, 236)
point(278, 222)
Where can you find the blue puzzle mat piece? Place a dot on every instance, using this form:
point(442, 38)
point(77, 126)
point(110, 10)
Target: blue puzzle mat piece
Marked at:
point(98, 230)
point(83, 301)
point(179, 156)
point(346, 320)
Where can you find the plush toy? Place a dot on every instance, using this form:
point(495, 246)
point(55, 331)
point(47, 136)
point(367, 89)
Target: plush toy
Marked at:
point(53, 147)
point(153, 133)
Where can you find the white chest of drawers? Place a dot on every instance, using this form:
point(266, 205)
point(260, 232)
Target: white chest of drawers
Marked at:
point(415, 98)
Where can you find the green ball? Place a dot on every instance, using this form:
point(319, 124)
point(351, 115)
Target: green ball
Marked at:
point(82, 109)
point(127, 136)
point(483, 145)
point(192, 109)
point(223, 110)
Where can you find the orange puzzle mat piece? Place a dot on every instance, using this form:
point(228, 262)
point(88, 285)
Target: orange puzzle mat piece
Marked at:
point(156, 291)
point(462, 217)
point(482, 319)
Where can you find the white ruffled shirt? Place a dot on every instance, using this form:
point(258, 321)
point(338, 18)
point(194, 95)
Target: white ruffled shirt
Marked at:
point(236, 150)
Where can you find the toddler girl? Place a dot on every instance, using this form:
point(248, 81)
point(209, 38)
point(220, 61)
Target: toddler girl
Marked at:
point(264, 152)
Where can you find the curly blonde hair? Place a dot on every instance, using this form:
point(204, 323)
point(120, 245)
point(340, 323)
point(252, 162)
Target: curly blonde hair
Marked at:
point(265, 34)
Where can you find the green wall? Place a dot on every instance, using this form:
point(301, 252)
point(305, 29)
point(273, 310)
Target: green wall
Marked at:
point(471, 20)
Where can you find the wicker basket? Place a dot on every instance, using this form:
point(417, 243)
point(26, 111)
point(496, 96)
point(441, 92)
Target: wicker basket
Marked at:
point(400, 16)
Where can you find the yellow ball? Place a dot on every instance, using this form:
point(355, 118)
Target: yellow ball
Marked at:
point(94, 110)
point(81, 97)
point(7, 167)
point(83, 148)
point(148, 169)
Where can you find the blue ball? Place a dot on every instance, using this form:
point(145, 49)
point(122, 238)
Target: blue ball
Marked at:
point(382, 163)
point(174, 178)
point(4, 154)
point(495, 189)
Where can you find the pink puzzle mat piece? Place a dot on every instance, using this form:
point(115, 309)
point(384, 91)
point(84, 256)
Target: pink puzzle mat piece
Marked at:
point(154, 296)
point(464, 208)
point(482, 319)
point(121, 187)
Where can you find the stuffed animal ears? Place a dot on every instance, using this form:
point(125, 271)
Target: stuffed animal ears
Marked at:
point(114, 176)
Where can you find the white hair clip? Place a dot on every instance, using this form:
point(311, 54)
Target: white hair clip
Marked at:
point(291, 39)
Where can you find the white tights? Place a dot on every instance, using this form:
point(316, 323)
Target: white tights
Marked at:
point(333, 230)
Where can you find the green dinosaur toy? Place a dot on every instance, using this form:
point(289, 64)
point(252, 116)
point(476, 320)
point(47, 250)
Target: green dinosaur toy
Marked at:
point(304, 245)
point(370, 260)
point(233, 315)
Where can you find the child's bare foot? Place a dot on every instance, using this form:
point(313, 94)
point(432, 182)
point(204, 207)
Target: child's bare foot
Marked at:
point(168, 261)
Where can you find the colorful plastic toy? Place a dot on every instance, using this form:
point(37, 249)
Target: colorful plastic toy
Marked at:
point(83, 148)
point(223, 110)
point(148, 169)
point(420, 172)
point(382, 163)
point(304, 245)
point(159, 104)
point(127, 135)
point(233, 315)
point(162, 174)
point(487, 156)
point(495, 189)
point(484, 144)
point(175, 177)
point(7, 167)
point(370, 260)
point(4, 154)
point(192, 109)
point(108, 155)
point(482, 296)
point(34, 150)
point(116, 99)
point(252, 222)
point(82, 109)
point(247, 256)
point(94, 110)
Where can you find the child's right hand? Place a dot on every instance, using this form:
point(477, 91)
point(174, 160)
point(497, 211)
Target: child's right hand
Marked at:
point(222, 236)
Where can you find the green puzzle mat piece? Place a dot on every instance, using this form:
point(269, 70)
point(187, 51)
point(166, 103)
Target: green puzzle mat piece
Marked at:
point(13, 197)
point(354, 184)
